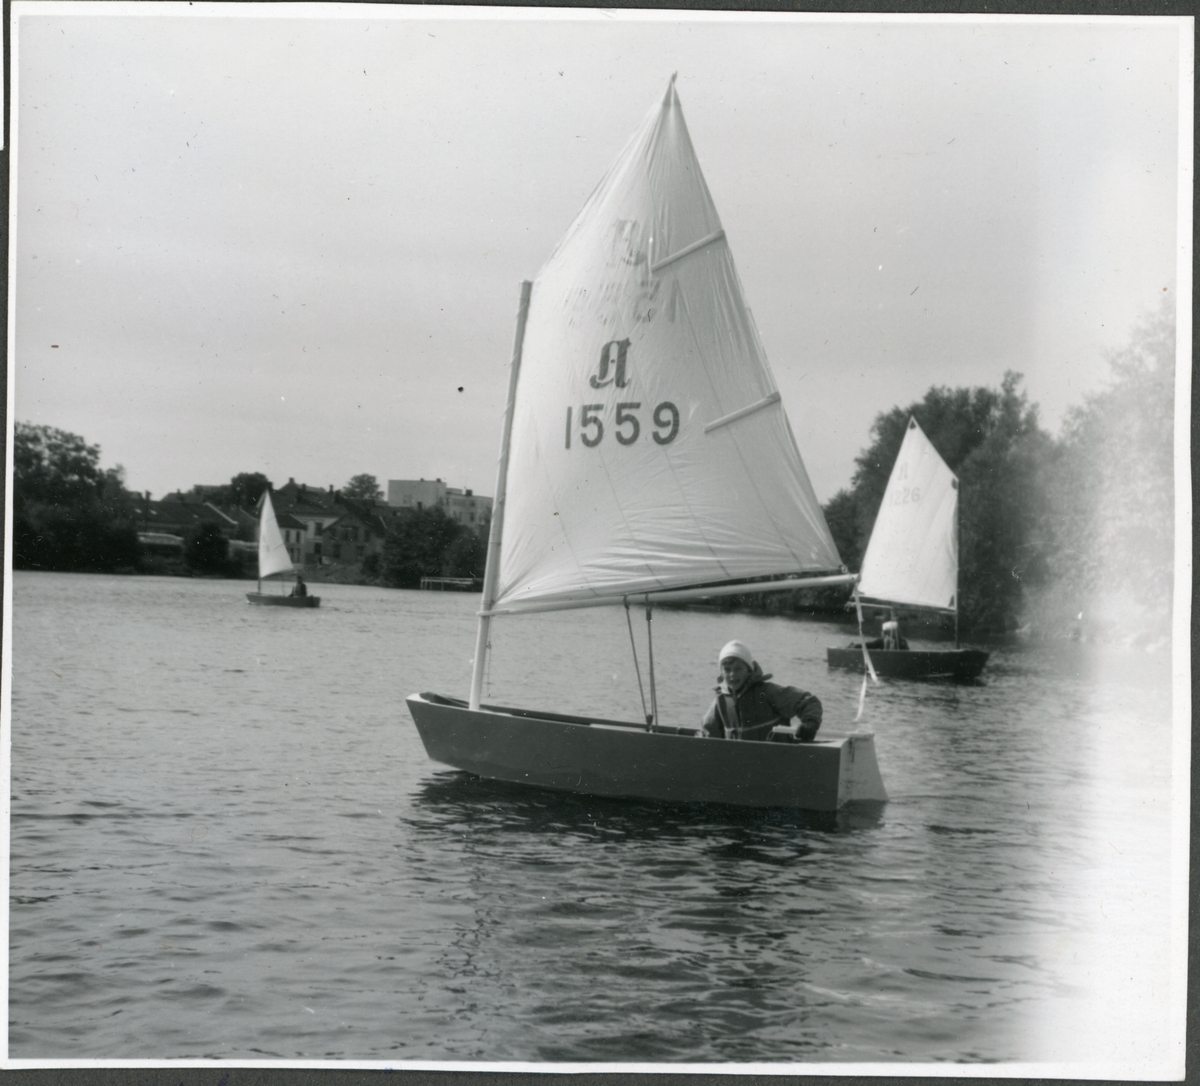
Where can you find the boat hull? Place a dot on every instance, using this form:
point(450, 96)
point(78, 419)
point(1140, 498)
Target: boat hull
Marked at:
point(283, 601)
point(609, 758)
point(960, 665)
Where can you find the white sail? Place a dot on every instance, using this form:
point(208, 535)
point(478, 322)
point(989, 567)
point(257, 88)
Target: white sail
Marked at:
point(650, 449)
point(912, 555)
point(273, 554)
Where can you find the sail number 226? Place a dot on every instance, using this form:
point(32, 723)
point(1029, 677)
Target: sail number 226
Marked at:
point(626, 426)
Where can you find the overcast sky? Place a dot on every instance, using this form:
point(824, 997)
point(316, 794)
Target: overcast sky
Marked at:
point(290, 239)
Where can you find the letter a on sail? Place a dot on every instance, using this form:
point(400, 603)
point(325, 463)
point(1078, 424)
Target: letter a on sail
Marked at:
point(650, 447)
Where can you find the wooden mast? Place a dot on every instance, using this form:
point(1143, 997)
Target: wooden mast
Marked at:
point(258, 541)
point(957, 560)
point(492, 569)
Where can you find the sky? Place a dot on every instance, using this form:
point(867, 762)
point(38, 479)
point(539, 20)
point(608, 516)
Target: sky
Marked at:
point(290, 239)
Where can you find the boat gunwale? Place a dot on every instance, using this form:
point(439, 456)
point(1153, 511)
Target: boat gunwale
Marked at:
point(271, 600)
point(588, 721)
point(545, 714)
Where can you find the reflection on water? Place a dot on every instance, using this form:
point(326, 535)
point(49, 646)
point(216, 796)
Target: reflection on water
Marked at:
point(226, 841)
point(456, 797)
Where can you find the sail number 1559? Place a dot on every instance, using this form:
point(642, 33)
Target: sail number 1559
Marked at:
point(626, 426)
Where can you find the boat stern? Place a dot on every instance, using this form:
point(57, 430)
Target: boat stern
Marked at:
point(860, 778)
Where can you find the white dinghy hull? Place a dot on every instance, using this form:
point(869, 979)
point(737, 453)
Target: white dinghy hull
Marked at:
point(619, 760)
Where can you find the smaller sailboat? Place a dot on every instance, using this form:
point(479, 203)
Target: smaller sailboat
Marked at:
point(273, 560)
point(912, 561)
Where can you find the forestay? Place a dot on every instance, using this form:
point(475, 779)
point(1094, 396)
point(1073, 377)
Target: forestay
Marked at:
point(273, 554)
point(649, 448)
point(912, 556)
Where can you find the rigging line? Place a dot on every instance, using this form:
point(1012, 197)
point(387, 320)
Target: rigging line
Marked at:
point(637, 669)
point(862, 638)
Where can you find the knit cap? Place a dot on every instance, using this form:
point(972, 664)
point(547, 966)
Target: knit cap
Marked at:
point(738, 649)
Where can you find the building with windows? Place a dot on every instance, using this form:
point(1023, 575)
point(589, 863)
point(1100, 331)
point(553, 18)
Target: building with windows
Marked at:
point(313, 509)
point(180, 515)
point(353, 537)
point(468, 508)
point(465, 506)
point(293, 532)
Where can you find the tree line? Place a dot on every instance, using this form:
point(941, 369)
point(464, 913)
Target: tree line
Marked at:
point(1065, 536)
point(1060, 535)
point(1054, 532)
point(70, 514)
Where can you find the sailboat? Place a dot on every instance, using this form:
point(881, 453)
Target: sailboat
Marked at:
point(273, 559)
point(645, 458)
point(912, 560)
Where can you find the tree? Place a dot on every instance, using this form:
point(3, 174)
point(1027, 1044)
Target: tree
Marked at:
point(68, 513)
point(363, 488)
point(991, 439)
point(1002, 503)
point(72, 538)
point(417, 546)
point(467, 554)
point(246, 488)
point(206, 550)
point(1109, 532)
point(841, 514)
point(53, 466)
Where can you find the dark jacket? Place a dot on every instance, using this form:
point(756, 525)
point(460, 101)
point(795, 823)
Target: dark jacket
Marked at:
point(758, 707)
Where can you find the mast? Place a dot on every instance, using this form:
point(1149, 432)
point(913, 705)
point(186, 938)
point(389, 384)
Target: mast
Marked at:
point(258, 542)
point(492, 569)
point(957, 562)
point(653, 717)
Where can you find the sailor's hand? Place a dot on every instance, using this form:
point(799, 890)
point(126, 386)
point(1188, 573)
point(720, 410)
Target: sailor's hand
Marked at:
point(808, 732)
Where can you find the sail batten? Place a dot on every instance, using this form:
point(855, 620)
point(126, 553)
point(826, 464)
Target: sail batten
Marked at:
point(687, 251)
point(624, 476)
point(912, 555)
point(742, 412)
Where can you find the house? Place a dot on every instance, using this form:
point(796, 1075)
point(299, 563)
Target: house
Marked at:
point(293, 531)
point(313, 510)
point(353, 537)
point(326, 528)
point(181, 517)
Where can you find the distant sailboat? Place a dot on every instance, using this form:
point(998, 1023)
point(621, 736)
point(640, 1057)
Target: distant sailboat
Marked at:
point(912, 560)
point(273, 560)
point(645, 457)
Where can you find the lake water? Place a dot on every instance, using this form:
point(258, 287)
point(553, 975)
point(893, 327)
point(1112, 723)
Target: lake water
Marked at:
point(227, 842)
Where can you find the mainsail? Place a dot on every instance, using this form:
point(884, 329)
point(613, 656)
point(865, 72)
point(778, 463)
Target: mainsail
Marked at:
point(649, 447)
point(912, 556)
point(273, 554)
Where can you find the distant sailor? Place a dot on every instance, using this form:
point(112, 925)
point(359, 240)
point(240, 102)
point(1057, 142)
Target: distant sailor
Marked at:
point(301, 589)
point(892, 638)
point(747, 706)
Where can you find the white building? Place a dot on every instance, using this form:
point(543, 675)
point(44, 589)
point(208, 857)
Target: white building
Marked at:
point(465, 506)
